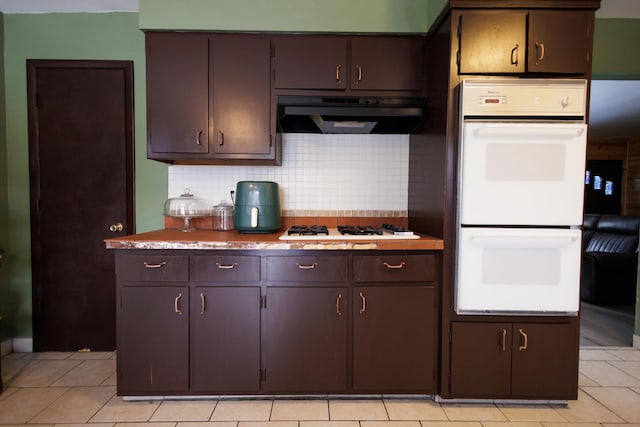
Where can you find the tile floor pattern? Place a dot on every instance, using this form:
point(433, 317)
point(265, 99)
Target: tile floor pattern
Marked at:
point(76, 389)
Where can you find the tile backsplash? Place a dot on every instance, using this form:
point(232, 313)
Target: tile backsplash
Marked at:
point(319, 174)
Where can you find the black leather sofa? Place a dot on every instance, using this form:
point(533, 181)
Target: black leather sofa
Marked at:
point(609, 259)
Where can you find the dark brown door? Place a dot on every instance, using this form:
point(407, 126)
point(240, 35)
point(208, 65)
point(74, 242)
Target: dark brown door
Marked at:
point(81, 168)
point(480, 359)
point(545, 360)
point(306, 339)
point(560, 41)
point(226, 339)
point(394, 344)
point(154, 338)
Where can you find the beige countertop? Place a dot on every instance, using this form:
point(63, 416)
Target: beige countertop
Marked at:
point(207, 239)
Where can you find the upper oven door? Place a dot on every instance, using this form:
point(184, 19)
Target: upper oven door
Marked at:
point(527, 173)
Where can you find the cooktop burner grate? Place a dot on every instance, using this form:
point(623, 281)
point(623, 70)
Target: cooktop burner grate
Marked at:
point(360, 230)
point(308, 230)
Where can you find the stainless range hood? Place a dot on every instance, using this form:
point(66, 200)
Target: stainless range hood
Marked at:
point(349, 115)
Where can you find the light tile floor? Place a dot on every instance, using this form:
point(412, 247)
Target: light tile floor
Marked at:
point(75, 389)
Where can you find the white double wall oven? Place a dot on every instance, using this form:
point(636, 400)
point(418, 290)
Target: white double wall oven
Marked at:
point(520, 196)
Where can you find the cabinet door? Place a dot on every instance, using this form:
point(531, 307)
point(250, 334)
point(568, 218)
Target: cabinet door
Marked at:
point(240, 96)
point(560, 41)
point(306, 339)
point(492, 42)
point(387, 63)
point(177, 93)
point(310, 62)
point(394, 343)
point(480, 359)
point(225, 339)
point(545, 360)
point(151, 361)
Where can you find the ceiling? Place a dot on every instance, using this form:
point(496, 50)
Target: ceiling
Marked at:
point(615, 104)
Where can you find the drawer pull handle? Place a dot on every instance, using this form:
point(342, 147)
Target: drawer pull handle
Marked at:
point(364, 303)
point(338, 299)
point(176, 302)
point(307, 266)
point(226, 266)
point(394, 267)
point(159, 265)
point(503, 340)
point(525, 344)
point(202, 306)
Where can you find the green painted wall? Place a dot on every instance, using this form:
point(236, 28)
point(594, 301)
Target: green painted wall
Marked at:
point(111, 36)
point(5, 296)
point(361, 16)
point(616, 50)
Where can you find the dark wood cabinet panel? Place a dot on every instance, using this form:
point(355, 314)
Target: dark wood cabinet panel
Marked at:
point(560, 42)
point(310, 62)
point(517, 42)
point(306, 339)
point(226, 268)
point(521, 360)
point(307, 268)
point(394, 268)
point(153, 362)
point(387, 63)
point(177, 94)
point(152, 268)
point(225, 328)
point(394, 338)
point(240, 96)
point(545, 360)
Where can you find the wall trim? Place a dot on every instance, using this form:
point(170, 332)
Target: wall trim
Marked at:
point(23, 345)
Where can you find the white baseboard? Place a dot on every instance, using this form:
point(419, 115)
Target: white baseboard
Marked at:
point(636, 341)
point(23, 345)
point(6, 347)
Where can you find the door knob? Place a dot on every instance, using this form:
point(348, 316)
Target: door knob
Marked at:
point(116, 228)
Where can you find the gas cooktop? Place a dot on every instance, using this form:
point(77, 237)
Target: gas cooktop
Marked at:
point(347, 232)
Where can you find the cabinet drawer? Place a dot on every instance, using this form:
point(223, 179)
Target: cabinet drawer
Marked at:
point(307, 268)
point(394, 268)
point(152, 268)
point(226, 268)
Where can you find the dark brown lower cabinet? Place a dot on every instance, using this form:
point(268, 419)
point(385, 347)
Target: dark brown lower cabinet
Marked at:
point(517, 360)
point(394, 338)
point(153, 334)
point(306, 339)
point(225, 331)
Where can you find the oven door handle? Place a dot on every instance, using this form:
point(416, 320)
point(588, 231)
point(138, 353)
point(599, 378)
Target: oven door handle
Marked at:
point(503, 241)
point(528, 132)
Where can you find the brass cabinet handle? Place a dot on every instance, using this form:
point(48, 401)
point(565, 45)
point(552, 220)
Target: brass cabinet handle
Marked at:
point(359, 68)
point(116, 228)
point(540, 52)
point(338, 298)
point(363, 300)
point(202, 306)
point(221, 138)
point(503, 340)
point(176, 307)
point(514, 55)
point(525, 344)
point(198, 135)
point(338, 69)
point(159, 265)
point(394, 267)
point(307, 266)
point(226, 266)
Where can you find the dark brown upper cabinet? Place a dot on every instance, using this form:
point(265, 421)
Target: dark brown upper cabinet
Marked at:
point(519, 42)
point(374, 63)
point(209, 100)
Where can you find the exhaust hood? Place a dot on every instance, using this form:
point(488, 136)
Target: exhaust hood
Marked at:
point(349, 115)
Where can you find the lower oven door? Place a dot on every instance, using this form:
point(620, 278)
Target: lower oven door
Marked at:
point(518, 271)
